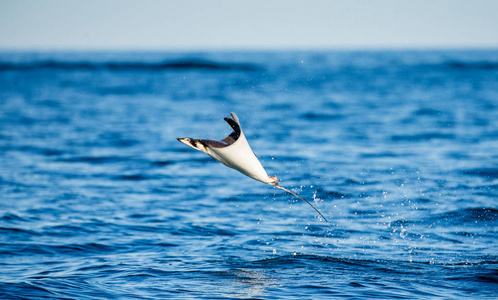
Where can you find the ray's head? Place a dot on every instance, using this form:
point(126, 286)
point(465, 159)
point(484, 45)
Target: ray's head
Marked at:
point(194, 143)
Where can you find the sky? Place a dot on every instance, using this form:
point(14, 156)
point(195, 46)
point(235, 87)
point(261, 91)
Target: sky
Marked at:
point(241, 24)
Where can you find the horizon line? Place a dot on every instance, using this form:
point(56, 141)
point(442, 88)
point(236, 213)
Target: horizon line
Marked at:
point(257, 49)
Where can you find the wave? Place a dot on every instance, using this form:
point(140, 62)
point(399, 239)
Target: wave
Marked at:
point(292, 260)
point(482, 65)
point(482, 172)
point(457, 65)
point(97, 160)
point(422, 137)
point(469, 216)
point(126, 66)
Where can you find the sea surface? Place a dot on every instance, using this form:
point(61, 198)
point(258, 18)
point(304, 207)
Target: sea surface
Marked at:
point(398, 149)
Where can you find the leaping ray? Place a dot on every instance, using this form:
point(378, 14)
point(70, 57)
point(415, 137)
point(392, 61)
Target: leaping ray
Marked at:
point(234, 152)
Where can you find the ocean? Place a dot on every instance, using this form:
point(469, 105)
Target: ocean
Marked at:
point(398, 150)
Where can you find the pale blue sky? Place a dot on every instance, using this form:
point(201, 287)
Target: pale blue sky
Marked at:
point(255, 24)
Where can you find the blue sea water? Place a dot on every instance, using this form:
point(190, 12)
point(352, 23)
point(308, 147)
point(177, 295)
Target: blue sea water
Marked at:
point(398, 149)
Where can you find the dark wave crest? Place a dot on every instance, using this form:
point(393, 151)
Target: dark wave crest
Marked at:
point(468, 215)
point(127, 66)
point(482, 172)
point(481, 65)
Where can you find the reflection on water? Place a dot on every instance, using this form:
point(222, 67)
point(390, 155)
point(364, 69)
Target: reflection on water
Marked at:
point(250, 284)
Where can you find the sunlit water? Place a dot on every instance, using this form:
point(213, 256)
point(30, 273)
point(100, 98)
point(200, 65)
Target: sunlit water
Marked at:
point(399, 150)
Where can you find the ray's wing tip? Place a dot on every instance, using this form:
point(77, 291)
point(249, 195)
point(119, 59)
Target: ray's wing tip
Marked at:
point(233, 115)
point(235, 118)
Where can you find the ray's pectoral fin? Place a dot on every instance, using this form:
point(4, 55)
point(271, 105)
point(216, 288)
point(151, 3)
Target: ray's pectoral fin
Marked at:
point(233, 151)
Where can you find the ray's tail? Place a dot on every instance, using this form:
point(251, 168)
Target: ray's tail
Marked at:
point(291, 192)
